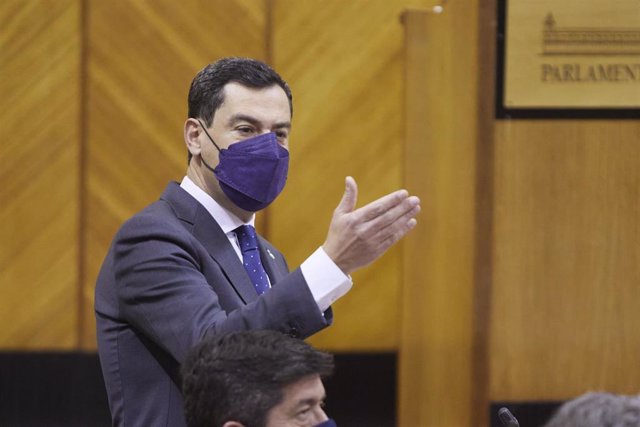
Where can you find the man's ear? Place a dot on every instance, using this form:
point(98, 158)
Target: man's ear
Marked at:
point(232, 424)
point(192, 131)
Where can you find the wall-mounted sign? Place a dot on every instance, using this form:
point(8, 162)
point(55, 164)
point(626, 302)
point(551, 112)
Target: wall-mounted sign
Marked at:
point(569, 58)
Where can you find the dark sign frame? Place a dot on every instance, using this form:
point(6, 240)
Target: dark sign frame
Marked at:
point(503, 112)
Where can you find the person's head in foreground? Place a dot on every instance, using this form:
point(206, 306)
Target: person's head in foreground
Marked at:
point(598, 410)
point(255, 379)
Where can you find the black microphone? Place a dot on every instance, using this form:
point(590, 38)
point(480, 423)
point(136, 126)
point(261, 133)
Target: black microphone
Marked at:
point(507, 418)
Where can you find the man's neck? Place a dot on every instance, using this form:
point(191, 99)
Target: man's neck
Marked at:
point(216, 193)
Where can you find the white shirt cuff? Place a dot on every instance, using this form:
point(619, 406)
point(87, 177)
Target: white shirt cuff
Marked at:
point(325, 279)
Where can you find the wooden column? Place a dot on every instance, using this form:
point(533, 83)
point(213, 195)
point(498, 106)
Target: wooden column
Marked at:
point(437, 316)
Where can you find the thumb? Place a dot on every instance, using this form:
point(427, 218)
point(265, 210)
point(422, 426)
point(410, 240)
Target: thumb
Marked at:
point(350, 196)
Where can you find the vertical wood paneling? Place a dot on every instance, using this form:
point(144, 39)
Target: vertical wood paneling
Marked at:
point(436, 346)
point(554, 306)
point(567, 260)
point(343, 61)
point(39, 64)
point(484, 217)
point(142, 57)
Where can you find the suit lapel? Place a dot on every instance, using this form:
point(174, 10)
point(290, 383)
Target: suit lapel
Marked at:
point(271, 262)
point(211, 236)
point(207, 231)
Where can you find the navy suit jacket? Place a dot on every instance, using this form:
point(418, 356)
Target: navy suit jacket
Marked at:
point(170, 278)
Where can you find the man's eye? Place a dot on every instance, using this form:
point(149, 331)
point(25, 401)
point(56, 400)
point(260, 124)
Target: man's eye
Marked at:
point(281, 134)
point(245, 129)
point(302, 413)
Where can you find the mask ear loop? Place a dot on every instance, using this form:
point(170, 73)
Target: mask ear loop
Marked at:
point(205, 131)
point(215, 145)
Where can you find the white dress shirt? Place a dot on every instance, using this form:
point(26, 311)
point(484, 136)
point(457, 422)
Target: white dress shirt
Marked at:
point(324, 278)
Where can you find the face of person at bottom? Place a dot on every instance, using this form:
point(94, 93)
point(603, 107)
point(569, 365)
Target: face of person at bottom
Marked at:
point(301, 405)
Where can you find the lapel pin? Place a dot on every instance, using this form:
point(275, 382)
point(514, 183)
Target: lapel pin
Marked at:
point(270, 254)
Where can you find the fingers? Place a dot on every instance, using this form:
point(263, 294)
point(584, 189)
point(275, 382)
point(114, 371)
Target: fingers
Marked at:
point(390, 206)
point(390, 228)
point(409, 207)
point(398, 233)
point(349, 198)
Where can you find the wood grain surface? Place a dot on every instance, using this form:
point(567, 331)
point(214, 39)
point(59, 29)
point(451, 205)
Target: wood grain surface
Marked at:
point(39, 173)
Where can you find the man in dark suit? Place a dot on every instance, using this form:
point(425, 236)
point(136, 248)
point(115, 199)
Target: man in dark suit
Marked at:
point(190, 265)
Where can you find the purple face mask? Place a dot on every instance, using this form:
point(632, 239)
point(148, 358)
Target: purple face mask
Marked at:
point(251, 172)
point(327, 423)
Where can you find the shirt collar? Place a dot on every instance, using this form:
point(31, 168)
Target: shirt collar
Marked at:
point(225, 219)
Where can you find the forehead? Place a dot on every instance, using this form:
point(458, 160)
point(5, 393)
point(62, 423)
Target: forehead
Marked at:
point(304, 393)
point(265, 104)
point(307, 388)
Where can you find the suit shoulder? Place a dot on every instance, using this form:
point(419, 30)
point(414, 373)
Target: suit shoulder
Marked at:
point(158, 217)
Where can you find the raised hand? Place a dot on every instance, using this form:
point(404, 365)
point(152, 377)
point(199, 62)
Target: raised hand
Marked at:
point(357, 237)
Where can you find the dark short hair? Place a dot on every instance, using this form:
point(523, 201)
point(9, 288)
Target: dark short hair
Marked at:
point(598, 410)
point(240, 376)
point(206, 93)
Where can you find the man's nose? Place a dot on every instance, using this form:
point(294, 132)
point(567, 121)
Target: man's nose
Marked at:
point(321, 416)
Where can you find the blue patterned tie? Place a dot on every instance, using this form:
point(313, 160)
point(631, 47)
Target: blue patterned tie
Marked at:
point(251, 257)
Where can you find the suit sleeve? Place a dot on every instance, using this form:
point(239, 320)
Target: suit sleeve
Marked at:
point(163, 293)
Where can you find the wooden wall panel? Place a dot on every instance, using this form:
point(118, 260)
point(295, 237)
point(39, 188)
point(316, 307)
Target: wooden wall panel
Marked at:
point(436, 376)
point(343, 62)
point(567, 260)
point(142, 56)
point(39, 64)
point(557, 224)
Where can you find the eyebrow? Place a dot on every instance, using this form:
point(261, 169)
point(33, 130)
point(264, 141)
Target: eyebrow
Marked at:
point(246, 118)
point(311, 401)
